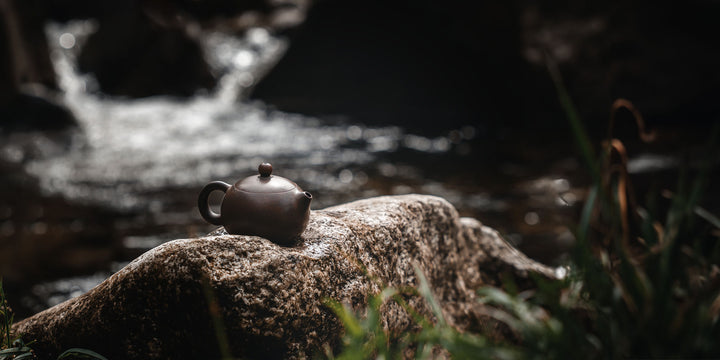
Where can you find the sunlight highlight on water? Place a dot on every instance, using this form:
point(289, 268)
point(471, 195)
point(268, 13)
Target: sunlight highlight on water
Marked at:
point(132, 147)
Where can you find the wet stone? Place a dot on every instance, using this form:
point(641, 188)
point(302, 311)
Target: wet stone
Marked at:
point(269, 300)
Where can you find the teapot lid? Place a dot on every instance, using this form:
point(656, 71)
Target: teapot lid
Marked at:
point(265, 182)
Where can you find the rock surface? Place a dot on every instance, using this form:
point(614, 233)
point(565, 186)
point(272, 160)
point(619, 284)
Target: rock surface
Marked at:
point(268, 300)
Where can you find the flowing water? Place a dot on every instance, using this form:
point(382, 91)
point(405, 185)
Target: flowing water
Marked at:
point(128, 178)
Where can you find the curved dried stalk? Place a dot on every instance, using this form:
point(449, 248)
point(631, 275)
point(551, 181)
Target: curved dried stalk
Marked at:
point(643, 133)
point(622, 199)
point(625, 197)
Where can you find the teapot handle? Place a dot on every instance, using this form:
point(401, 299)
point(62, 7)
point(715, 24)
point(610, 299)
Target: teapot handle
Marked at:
point(205, 211)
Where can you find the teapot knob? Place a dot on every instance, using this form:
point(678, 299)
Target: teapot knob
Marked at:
point(265, 169)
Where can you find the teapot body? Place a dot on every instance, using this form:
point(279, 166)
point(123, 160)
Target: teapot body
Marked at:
point(279, 217)
point(263, 205)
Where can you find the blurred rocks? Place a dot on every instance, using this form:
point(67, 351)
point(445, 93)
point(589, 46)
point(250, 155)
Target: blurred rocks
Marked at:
point(420, 65)
point(25, 67)
point(432, 67)
point(151, 47)
point(25, 57)
point(142, 47)
point(660, 56)
point(225, 15)
point(26, 112)
point(269, 300)
point(131, 56)
point(229, 15)
point(424, 66)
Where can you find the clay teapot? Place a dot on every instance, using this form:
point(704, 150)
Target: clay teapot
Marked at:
point(264, 205)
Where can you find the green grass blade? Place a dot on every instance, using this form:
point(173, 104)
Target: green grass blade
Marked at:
point(587, 211)
point(708, 216)
point(80, 353)
point(12, 352)
point(7, 317)
point(217, 319)
point(581, 137)
point(347, 317)
point(425, 291)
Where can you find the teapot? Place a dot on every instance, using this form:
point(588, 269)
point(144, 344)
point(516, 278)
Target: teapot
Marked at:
point(265, 205)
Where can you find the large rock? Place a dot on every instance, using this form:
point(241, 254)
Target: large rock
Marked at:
point(269, 300)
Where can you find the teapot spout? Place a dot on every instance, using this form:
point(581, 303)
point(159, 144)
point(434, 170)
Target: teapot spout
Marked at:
point(304, 199)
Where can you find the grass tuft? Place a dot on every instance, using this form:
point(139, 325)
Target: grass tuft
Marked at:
point(644, 280)
point(6, 320)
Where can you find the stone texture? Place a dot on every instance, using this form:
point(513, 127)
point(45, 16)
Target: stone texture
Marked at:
point(270, 299)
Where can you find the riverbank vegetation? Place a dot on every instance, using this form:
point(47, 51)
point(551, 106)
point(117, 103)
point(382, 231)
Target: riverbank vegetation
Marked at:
point(643, 279)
